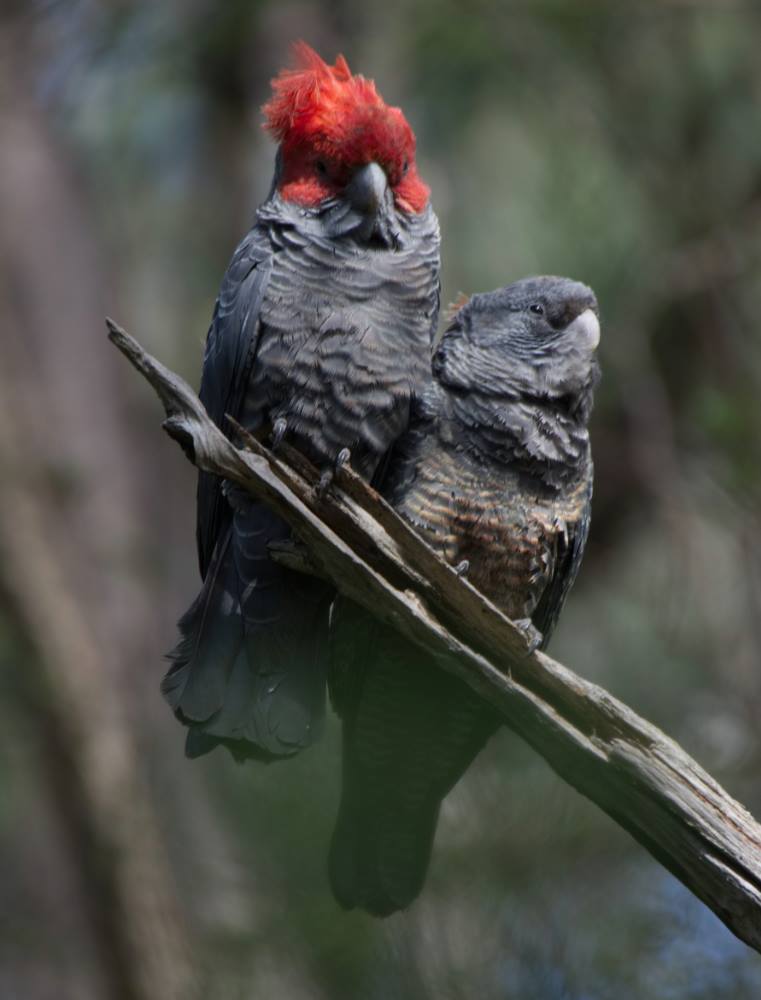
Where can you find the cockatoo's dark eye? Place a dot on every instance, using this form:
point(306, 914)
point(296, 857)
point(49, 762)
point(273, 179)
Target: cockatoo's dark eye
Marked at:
point(538, 308)
point(321, 167)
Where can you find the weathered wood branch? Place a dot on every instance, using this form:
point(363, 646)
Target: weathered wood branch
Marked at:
point(629, 768)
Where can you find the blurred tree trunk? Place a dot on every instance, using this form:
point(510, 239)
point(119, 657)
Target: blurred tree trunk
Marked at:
point(67, 526)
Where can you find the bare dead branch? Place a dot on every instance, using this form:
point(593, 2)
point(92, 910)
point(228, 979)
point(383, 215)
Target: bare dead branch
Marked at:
point(628, 767)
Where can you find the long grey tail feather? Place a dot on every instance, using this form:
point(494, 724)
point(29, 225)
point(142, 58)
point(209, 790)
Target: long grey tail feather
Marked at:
point(249, 670)
point(412, 734)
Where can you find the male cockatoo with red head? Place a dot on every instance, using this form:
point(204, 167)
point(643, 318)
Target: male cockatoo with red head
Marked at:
point(321, 334)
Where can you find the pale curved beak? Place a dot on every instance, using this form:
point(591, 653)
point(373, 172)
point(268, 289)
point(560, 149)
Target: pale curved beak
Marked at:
point(586, 329)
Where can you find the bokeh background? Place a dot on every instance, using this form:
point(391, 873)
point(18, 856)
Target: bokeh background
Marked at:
point(616, 143)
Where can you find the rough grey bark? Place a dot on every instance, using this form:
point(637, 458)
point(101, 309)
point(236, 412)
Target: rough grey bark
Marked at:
point(629, 768)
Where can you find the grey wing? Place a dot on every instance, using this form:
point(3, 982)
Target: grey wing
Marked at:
point(228, 357)
point(570, 551)
point(400, 468)
point(248, 669)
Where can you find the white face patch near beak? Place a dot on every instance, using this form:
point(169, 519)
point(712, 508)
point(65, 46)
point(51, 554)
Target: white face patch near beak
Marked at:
point(586, 328)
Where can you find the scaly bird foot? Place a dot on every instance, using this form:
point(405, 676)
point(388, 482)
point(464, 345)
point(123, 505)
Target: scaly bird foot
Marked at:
point(327, 476)
point(461, 569)
point(531, 633)
point(279, 430)
point(326, 479)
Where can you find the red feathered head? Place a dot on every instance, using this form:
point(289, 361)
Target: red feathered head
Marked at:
point(329, 122)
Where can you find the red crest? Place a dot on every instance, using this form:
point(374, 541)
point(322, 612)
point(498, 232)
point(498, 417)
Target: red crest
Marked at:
point(329, 121)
